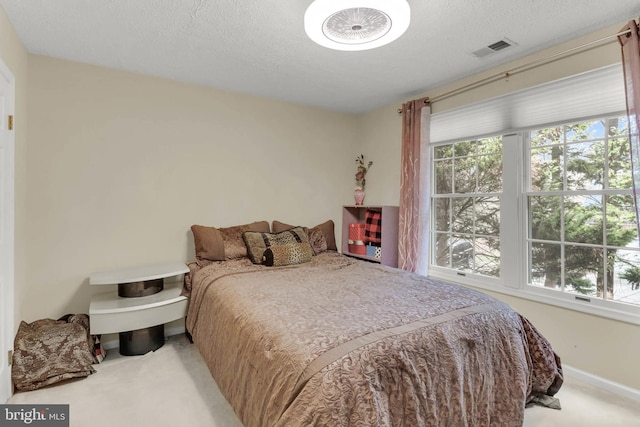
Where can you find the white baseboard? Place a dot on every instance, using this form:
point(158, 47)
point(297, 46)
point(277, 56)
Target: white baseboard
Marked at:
point(174, 331)
point(603, 383)
point(113, 342)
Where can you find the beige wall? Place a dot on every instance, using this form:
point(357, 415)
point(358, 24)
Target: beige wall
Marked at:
point(603, 347)
point(15, 56)
point(381, 133)
point(121, 165)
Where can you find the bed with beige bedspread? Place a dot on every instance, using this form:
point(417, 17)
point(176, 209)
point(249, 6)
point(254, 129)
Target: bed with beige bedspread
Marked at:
point(342, 342)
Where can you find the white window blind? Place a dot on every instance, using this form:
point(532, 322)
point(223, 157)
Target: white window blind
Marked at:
point(595, 93)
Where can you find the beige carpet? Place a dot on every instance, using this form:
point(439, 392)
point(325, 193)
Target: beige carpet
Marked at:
point(172, 387)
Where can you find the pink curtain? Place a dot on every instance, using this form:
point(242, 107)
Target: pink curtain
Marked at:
point(413, 245)
point(631, 65)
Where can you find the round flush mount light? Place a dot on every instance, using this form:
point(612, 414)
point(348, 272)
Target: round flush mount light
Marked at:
point(356, 24)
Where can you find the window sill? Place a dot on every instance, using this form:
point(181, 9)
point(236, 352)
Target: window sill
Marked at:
point(545, 296)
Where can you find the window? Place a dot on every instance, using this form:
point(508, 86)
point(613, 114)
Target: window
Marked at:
point(531, 195)
point(547, 210)
point(466, 200)
point(582, 234)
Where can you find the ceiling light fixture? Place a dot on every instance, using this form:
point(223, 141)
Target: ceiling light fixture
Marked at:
point(356, 24)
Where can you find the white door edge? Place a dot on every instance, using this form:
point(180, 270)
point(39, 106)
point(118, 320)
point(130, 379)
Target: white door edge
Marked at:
point(7, 211)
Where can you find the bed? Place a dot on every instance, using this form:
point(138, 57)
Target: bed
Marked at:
point(330, 340)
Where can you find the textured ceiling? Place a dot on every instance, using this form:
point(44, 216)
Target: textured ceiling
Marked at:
point(260, 47)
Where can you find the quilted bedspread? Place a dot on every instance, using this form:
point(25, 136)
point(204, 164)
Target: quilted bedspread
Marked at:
point(343, 342)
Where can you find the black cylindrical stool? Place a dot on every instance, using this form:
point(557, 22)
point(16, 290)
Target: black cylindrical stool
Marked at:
point(141, 341)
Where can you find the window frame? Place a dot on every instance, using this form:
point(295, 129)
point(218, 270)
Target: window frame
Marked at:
point(513, 278)
point(452, 196)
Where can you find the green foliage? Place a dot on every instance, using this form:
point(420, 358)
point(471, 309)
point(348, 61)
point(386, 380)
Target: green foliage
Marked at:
point(580, 284)
point(581, 147)
point(631, 275)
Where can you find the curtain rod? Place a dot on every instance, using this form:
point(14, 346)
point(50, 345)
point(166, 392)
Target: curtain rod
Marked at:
point(525, 67)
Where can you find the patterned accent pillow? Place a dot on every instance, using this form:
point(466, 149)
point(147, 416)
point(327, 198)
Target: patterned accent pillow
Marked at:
point(291, 254)
point(257, 242)
point(317, 240)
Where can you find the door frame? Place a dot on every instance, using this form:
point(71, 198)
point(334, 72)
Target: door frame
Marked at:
point(7, 257)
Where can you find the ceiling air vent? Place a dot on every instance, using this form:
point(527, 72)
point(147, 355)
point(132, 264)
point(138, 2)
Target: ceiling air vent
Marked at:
point(493, 47)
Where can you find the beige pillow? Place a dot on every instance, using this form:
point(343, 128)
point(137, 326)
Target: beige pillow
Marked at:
point(326, 228)
point(219, 244)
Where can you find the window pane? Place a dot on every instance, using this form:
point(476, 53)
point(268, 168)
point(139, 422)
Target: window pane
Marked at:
point(461, 253)
point(546, 168)
point(487, 216)
point(546, 265)
point(584, 267)
point(454, 251)
point(621, 221)
point(464, 175)
point(443, 177)
point(443, 152)
point(490, 173)
point(463, 212)
point(442, 215)
point(583, 219)
point(626, 276)
point(548, 136)
point(442, 252)
point(490, 145)
point(619, 126)
point(585, 165)
point(619, 163)
point(487, 256)
point(465, 148)
point(544, 217)
point(585, 130)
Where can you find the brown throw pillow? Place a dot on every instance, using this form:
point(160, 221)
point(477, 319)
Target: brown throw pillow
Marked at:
point(291, 254)
point(326, 228)
point(208, 243)
point(219, 244)
point(256, 242)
